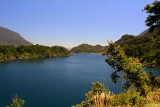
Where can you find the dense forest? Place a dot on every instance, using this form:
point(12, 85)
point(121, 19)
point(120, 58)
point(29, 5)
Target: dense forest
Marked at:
point(86, 48)
point(144, 47)
point(33, 51)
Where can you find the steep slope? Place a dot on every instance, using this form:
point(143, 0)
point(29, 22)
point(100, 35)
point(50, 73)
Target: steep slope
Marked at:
point(144, 32)
point(8, 37)
point(86, 48)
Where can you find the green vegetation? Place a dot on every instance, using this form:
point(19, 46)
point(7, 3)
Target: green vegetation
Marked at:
point(157, 81)
point(153, 19)
point(140, 89)
point(17, 102)
point(8, 37)
point(145, 47)
point(33, 51)
point(85, 48)
point(97, 89)
point(133, 72)
point(125, 39)
point(130, 98)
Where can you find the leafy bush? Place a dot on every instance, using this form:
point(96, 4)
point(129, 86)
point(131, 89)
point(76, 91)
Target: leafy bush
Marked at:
point(157, 81)
point(130, 97)
point(100, 97)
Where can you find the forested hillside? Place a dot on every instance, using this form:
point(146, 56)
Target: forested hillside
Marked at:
point(33, 51)
point(8, 37)
point(86, 48)
point(145, 47)
point(124, 40)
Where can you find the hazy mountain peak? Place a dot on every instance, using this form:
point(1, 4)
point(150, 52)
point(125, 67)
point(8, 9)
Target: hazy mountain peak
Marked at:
point(9, 37)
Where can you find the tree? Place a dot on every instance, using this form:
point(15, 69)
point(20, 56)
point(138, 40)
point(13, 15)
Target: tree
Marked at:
point(133, 71)
point(153, 19)
point(152, 78)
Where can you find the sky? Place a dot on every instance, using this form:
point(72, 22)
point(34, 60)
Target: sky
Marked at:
point(70, 23)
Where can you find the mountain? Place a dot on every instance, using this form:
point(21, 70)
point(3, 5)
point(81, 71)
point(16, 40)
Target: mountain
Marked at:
point(8, 37)
point(125, 39)
point(144, 32)
point(145, 46)
point(143, 37)
point(86, 48)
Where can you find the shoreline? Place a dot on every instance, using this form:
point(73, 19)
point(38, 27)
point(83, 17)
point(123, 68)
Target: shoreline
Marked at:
point(87, 53)
point(35, 58)
point(149, 65)
point(71, 55)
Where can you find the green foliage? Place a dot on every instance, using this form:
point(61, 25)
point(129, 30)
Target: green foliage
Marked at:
point(152, 79)
point(150, 74)
point(153, 19)
point(133, 72)
point(17, 102)
point(125, 39)
point(33, 51)
point(157, 81)
point(97, 88)
point(130, 97)
point(145, 47)
point(85, 48)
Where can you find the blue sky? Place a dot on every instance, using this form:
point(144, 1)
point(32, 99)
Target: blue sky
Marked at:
point(69, 23)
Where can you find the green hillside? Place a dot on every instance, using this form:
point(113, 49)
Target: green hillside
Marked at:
point(146, 47)
point(124, 40)
point(8, 37)
point(86, 48)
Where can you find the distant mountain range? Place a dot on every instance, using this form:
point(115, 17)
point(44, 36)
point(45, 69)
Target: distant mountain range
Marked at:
point(9, 37)
point(86, 48)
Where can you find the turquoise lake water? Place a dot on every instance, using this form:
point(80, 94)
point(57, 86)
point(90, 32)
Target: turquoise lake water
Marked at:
point(55, 82)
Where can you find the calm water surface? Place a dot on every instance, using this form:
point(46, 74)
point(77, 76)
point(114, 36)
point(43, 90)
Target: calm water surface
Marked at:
point(55, 82)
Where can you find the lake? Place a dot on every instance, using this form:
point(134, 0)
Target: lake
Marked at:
point(55, 82)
